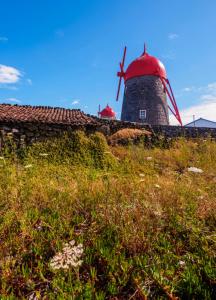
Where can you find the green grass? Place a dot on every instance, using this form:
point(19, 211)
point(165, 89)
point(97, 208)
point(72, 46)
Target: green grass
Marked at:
point(147, 225)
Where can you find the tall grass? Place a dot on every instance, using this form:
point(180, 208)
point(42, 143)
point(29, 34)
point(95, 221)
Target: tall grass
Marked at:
point(147, 225)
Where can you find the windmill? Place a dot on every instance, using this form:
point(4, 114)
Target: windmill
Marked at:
point(146, 91)
point(106, 113)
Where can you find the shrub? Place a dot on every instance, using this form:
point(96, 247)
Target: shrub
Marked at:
point(74, 148)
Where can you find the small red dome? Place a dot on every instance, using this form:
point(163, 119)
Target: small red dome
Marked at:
point(145, 65)
point(107, 112)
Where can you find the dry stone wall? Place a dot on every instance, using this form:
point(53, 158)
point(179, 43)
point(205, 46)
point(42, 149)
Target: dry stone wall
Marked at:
point(27, 133)
point(188, 132)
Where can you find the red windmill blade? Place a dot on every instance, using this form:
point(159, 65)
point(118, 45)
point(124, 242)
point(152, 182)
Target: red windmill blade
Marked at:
point(121, 73)
point(174, 109)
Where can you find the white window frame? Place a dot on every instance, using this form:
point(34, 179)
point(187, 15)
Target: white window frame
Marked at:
point(142, 114)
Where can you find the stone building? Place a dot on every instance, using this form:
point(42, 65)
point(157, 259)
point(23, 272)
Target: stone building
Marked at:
point(203, 123)
point(40, 122)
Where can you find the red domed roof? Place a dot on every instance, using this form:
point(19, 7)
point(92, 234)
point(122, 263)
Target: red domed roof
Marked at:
point(107, 112)
point(145, 65)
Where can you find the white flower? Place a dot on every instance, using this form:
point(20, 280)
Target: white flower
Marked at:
point(182, 263)
point(43, 154)
point(142, 175)
point(195, 170)
point(32, 297)
point(149, 158)
point(28, 166)
point(39, 227)
point(157, 186)
point(157, 213)
point(68, 257)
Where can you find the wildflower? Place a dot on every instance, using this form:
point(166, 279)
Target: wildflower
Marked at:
point(39, 227)
point(157, 186)
point(142, 175)
point(32, 297)
point(157, 213)
point(44, 154)
point(148, 158)
point(28, 166)
point(68, 257)
point(182, 263)
point(195, 170)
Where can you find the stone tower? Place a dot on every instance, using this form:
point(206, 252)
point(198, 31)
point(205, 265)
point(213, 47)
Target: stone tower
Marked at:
point(145, 101)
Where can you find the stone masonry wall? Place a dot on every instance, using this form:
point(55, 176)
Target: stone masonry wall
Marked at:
point(27, 133)
point(145, 93)
point(188, 132)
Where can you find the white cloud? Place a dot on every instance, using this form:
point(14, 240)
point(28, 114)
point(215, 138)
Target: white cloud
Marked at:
point(3, 39)
point(29, 81)
point(189, 89)
point(75, 101)
point(13, 100)
point(9, 75)
point(173, 36)
point(208, 98)
point(209, 88)
point(212, 87)
point(205, 110)
point(7, 87)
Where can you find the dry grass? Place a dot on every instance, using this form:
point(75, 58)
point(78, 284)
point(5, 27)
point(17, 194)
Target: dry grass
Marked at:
point(147, 225)
point(127, 134)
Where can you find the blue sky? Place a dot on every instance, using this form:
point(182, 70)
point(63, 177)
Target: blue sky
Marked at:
point(66, 53)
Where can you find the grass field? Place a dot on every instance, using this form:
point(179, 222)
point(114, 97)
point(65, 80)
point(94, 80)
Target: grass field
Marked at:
point(141, 225)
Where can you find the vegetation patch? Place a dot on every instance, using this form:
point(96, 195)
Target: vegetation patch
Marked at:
point(83, 220)
point(127, 135)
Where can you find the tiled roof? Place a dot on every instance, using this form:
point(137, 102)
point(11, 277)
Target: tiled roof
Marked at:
point(44, 114)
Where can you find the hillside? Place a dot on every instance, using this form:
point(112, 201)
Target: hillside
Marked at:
point(83, 220)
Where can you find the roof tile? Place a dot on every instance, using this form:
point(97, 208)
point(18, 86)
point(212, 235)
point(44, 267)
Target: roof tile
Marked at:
point(44, 114)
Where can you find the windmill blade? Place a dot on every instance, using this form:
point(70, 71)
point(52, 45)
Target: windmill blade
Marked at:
point(124, 55)
point(121, 73)
point(119, 86)
point(171, 96)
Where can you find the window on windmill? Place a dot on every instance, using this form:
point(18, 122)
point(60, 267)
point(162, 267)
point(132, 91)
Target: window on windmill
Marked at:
point(142, 114)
